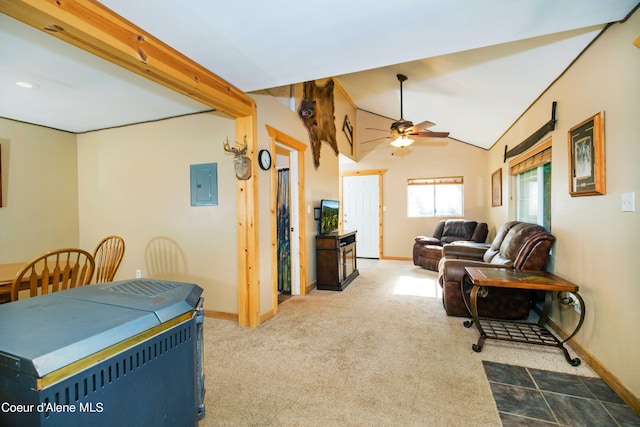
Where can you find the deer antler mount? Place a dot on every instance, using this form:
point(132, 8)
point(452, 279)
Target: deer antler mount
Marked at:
point(241, 163)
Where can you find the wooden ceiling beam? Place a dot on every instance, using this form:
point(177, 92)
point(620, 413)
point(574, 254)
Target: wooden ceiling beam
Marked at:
point(94, 28)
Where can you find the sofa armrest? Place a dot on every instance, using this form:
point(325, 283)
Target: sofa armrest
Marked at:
point(426, 240)
point(453, 270)
point(465, 250)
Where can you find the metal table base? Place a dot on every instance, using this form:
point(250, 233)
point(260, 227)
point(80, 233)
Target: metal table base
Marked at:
point(520, 331)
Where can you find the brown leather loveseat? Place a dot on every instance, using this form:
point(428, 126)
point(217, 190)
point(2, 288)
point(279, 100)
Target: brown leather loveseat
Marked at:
point(517, 245)
point(427, 251)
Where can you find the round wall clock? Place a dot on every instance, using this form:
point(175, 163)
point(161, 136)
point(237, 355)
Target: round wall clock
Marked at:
point(264, 159)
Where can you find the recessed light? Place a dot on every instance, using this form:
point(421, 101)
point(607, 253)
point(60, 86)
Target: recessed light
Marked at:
point(26, 85)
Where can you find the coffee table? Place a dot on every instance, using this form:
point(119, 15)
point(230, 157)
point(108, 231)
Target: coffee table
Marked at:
point(483, 279)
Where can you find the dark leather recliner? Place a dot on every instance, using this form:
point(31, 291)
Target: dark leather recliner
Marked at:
point(517, 245)
point(448, 231)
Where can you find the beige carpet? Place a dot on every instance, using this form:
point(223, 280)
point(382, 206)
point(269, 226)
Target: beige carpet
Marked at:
point(380, 353)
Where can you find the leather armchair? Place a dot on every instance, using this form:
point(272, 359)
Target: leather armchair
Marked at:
point(447, 231)
point(517, 245)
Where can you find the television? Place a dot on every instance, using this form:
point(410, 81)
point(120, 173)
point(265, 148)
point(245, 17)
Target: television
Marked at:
point(329, 216)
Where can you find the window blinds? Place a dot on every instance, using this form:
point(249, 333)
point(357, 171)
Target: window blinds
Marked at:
point(532, 159)
point(435, 181)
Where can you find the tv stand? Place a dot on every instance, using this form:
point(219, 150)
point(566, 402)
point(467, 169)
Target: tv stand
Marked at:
point(336, 262)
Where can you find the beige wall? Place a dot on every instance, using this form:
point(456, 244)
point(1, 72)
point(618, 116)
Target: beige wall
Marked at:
point(597, 244)
point(321, 183)
point(134, 181)
point(452, 159)
point(39, 190)
point(145, 168)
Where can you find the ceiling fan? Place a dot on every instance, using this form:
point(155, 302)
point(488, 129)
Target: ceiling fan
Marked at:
point(402, 130)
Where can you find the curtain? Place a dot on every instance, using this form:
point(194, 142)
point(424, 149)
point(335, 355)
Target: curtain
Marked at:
point(283, 227)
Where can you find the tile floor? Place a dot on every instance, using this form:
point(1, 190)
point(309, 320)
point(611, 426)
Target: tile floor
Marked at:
point(533, 397)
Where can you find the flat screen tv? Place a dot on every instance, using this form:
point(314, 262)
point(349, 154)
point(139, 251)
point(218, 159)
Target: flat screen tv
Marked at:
point(329, 216)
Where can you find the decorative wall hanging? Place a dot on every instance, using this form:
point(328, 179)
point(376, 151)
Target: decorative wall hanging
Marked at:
point(317, 113)
point(241, 164)
point(496, 188)
point(283, 231)
point(347, 128)
point(586, 157)
point(535, 137)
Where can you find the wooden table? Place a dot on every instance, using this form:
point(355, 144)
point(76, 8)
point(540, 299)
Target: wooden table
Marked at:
point(524, 332)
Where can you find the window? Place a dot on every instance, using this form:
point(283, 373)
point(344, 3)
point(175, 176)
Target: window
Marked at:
point(534, 196)
point(435, 197)
point(533, 186)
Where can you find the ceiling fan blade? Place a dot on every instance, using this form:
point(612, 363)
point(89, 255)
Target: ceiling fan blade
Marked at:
point(422, 126)
point(376, 139)
point(383, 130)
point(429, 134)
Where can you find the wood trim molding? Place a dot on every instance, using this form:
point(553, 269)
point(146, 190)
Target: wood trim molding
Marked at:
point(364, 172)
point(599, 368)
point(94, 28)
point(297, 148)
point(248, 231)
point(285, 139)
point(220, 315)
point(344, 93)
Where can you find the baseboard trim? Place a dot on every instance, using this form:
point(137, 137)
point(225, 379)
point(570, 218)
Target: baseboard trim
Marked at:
point(221, 315)
point(266, 316)
point(397, 258)
point(234, 317)
point(608, 377)
point(309, 288)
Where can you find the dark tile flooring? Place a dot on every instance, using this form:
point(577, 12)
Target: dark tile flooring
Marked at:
point(533, 397)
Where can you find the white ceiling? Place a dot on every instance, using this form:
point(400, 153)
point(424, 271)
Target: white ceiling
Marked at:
point(473, 67)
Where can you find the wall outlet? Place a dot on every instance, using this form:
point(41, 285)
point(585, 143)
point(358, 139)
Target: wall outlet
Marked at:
point(570, 299)
point(576, 304)
point(138, 274)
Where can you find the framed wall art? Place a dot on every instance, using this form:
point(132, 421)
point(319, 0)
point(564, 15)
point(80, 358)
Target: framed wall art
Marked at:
point(347, 128)
point(496, 188)
point(586, 157)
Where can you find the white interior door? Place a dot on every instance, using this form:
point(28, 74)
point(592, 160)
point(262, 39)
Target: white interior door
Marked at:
point(295, 224)
point(361, 212)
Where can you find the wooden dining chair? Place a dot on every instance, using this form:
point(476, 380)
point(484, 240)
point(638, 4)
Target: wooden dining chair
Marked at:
point(108, 255)
point(54, 271)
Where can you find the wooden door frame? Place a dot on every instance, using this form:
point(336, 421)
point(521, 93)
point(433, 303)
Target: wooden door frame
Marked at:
point(297, 147)
point(378, 172)
point(96, 29)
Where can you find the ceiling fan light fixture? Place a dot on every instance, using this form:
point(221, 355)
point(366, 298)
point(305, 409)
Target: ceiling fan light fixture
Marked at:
point(402, 141)
point(26, 84)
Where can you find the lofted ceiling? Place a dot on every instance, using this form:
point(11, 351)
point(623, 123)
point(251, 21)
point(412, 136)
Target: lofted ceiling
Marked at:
point(473, 67)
